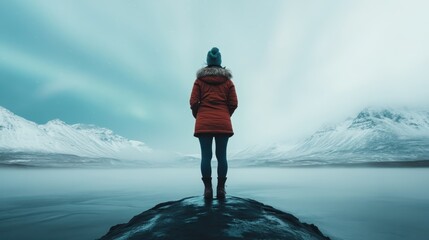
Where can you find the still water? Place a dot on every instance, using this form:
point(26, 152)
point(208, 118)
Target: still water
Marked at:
point(345, 203)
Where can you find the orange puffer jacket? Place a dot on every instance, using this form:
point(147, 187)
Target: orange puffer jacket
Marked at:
point(213, 101)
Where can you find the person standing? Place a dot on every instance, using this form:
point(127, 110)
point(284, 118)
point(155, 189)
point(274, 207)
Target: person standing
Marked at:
point(213, 101)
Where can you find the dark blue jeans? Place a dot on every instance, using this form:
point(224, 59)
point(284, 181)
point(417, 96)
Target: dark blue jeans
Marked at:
point(206, 143)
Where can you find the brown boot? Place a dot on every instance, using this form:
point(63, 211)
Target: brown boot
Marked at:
point(208, 190)
point(220, 193)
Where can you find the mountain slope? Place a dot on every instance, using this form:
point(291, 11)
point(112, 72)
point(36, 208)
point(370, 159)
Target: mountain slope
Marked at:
point(20, 135)
point(374, 135)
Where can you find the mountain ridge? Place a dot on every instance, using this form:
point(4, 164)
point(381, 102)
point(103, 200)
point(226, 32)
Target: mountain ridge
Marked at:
point(373, 135)
point(18, 134)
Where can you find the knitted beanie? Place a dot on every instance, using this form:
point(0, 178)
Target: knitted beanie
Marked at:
point(213, 57)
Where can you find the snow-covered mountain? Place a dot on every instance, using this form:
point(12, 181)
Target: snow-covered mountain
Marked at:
point(372, 135)
point(56, 137)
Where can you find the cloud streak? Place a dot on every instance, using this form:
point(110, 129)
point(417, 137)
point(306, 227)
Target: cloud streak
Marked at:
point(332, 61)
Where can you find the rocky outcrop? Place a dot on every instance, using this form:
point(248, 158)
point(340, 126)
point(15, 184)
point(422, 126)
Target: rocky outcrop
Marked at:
point(232, 218)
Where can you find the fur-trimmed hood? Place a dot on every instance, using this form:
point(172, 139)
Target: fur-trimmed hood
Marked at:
point(214, 71)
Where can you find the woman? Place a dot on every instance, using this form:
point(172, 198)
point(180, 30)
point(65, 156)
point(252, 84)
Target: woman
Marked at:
point(213, 101)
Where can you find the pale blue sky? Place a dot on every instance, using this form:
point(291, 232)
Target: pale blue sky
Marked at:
point(130, 65)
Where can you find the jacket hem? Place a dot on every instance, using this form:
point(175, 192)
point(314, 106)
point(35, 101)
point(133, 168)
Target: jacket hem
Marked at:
point(209, 133)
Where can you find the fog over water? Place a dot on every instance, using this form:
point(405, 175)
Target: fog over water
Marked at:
point(345, 203)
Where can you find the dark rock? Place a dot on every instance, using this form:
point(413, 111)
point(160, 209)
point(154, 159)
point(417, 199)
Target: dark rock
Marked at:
point(232, 218)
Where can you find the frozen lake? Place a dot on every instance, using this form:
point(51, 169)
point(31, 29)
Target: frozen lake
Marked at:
point(345, 203)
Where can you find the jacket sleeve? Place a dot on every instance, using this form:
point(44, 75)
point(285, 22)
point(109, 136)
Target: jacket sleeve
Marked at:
point(232, 99)
point(195, 99)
